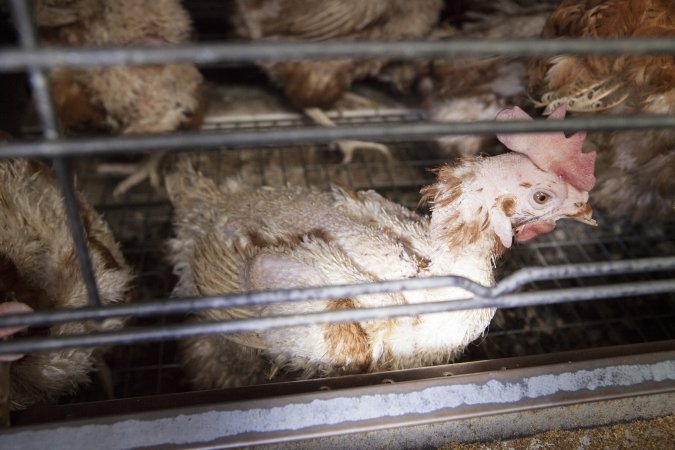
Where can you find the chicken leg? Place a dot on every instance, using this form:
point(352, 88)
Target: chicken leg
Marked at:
point(347, 147)
point(136, 173)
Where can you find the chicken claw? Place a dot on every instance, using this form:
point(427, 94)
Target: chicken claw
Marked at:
point(136, 173)
point(347, 147)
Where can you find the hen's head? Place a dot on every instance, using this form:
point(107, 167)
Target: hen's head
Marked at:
point(523, 193)
point(546, 178)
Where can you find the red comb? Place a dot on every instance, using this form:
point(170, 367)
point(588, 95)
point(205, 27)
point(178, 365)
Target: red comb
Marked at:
point(552, 152)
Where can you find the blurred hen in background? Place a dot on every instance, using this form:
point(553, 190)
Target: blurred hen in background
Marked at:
point(316, 85)
point(473, 88)
point(635, 169)
point(124, 100)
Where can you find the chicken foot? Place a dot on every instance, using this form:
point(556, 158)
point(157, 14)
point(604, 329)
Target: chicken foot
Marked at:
point(136, 173)
point(347, 147)
point(354, 99)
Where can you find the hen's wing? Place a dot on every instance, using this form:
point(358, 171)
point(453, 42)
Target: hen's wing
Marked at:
point(310, 84)
point(361, 231)
point(219, 268)
point(283, 260)
point(320, 20)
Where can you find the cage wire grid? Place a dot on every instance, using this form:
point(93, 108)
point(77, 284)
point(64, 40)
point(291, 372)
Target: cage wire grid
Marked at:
point(141, 220)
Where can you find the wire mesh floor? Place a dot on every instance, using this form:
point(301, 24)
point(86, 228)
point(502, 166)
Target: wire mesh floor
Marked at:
point(141, 221)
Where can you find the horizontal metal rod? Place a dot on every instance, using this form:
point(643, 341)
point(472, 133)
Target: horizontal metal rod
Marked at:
point(527, 275)
point(172, 332)
point(292, 136)
point(187, 305)
point(211, 53)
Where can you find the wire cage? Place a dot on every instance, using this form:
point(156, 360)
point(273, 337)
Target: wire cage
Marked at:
point(578, 301)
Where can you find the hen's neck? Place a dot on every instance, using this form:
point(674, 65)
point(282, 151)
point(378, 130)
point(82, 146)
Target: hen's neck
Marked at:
point(464, 241)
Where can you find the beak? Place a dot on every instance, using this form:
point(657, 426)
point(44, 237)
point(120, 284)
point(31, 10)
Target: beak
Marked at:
point(584, 215)
point(587, 220)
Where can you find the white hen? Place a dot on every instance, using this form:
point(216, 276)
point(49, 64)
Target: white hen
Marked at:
point(231, 240)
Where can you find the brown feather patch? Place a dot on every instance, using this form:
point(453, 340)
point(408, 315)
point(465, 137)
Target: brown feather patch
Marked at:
point(408, 247)
point(286, 240)
point(486, 220)
point(460, 233)
point(311, 84)
point(498, 249)
point(447, 188)
point(73, 104)
point(347, 343)
point(507, 204)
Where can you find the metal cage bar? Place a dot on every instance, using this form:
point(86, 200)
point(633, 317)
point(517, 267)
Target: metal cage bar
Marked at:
point(151, 334)
point(205, 140)
point(481, 294)
point(47, 114)
point(11, 60)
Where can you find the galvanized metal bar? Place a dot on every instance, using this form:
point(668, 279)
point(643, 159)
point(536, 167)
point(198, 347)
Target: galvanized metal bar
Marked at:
point(211, 53)
point(364, 409)
point(169, 332)
point(22, 21)
point(406, 131)
point(187, 305)
point(70, 204)
point(41, 92)
point(584, 270)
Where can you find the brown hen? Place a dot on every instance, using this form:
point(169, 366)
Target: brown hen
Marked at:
point(125, 100)
point(635, 169)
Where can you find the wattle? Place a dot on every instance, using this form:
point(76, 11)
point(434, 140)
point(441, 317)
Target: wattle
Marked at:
point(532, 230)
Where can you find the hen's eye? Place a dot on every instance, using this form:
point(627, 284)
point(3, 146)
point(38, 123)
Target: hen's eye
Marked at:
point(541, 197)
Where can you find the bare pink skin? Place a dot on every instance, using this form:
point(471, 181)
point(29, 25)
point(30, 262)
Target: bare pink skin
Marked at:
point(532, 230)
point(11, 308)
